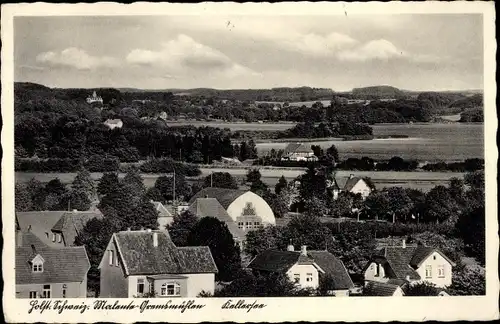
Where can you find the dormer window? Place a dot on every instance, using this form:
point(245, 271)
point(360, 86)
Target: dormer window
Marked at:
point(37, 264)
point(53, 237)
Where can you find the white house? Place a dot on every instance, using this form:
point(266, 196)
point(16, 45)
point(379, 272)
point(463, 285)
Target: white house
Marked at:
point(114, 123)
point(165, 217)
point(298, 152)
point(352, 184)
point(305, 268)
point(94, 98)
point(413, 264)
point(147, 263)
point(245, 208)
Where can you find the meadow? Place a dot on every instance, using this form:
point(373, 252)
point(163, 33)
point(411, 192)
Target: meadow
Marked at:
point(418, 180)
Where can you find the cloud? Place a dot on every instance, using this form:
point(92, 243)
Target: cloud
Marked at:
point(319, 45)
point(380, 49)
point(76, 58)
point(183, 53)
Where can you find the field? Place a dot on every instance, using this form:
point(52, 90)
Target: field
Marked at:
point(235, 126)
point(418, 180)
point(297, 103)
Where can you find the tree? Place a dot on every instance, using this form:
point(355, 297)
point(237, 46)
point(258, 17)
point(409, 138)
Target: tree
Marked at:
point(400, 204)
point(342, 206)
point(282, 183)
point(144, 215)
point(421, 289)
point(79, 200)
point(108, 183)
point(56, 187)
point(326, 284)
point(440, 206)
point(316, 207)
point(22, 198)
point(377, 205)
point(154, 194)
point(165, 186)
point(306, 230)
point(134, 183)
point(280, 204)
point(117, 203)
point(83, 183)
point(211, 232)
point(253, 175)
point(333, 152)
point(181, 226)
point(260, 188)
point(471, 227)
point(269, 237)
point(467, 282)
point(456, 190)
point(37, 194)
point(220, 180)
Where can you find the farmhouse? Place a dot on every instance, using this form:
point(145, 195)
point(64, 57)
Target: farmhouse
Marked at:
point(352, 184)
point(247, 209)
point(298, 152)
point(55, 228)
point(49, 272)
point(147, 263)
point(305, 268)
point(413, 264)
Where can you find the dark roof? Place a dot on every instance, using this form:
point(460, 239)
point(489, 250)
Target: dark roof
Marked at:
point(281, 261)
point(65, 264)
point(375, 288)
point(334, 267)
point(297, 148)
point(223, 195)
point(422, 252)
point(210, 207)
point(351, 182)
point(399, 260)
point(140, 256)
point(72, 223)
point(41, 222)
point(274, 260)
point(397, 282)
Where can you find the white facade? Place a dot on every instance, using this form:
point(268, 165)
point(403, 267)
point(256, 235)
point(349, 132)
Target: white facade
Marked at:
point(361, 188)
point(186, 285)
point(305, 275)
point(436, 269)
point(375, 272)
point(301, 156)
point(260, 207)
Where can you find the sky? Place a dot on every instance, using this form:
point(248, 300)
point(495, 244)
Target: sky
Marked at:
point(341, 52)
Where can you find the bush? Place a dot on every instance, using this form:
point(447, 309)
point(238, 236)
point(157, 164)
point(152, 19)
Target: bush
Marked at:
point(168, 166)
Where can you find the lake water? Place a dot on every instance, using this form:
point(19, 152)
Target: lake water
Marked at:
point(426, 142)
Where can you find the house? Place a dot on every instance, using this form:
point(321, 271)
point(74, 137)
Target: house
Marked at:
point(43, 271)
point(165, 217)
point(352, 184)
point(147, 263)
point(382, 289)
point(94, 98)
point(55, 228)
point(305, 268)
point(113, 123)
point(245, 208)
point(210, 207)
point(413, 264)
point(298, 152)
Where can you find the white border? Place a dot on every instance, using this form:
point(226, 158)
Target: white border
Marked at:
point(277, 309)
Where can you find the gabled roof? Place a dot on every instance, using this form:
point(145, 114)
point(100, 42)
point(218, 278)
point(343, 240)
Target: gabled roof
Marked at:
point(65, 264)
point(375, 288)
point(351, 182)
point(72, 223)
point(161, 209)
point(297, 148)
point(334, 267)
point(324, 261)
point(41, 222)
point(423, 252)
point(139, 256)
point(223, 195)
point(210, 207)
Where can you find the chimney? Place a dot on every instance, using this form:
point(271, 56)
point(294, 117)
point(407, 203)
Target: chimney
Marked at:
point(148, 230)
point(303, 250)
point(155, 239)
point(290, 248)
point(75, 210)
point(29, 228)
point(407, 278)
point(404, 243)
point(128, 229)
point(351, 176)
point(33, 248)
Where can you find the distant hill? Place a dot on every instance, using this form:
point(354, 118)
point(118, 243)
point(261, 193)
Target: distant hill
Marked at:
point(378, 92)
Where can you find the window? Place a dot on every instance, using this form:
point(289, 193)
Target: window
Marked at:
point(441, 271)
point(309, 277)
point(64, 291)
point(377, 270)
point(53, 237)
point(434, 257)
point(256, 224)
point(171, 289)
point(46, 291)
point(32, 294)
point(428, 271)
point(37, 267)
point(296, 277)
point(59, 238)
point(47, 234)
point(151, 287)
point(140, 286)
point(240, 225)
point(111, 257)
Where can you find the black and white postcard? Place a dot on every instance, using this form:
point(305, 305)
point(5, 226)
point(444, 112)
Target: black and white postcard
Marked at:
point(249, 162)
